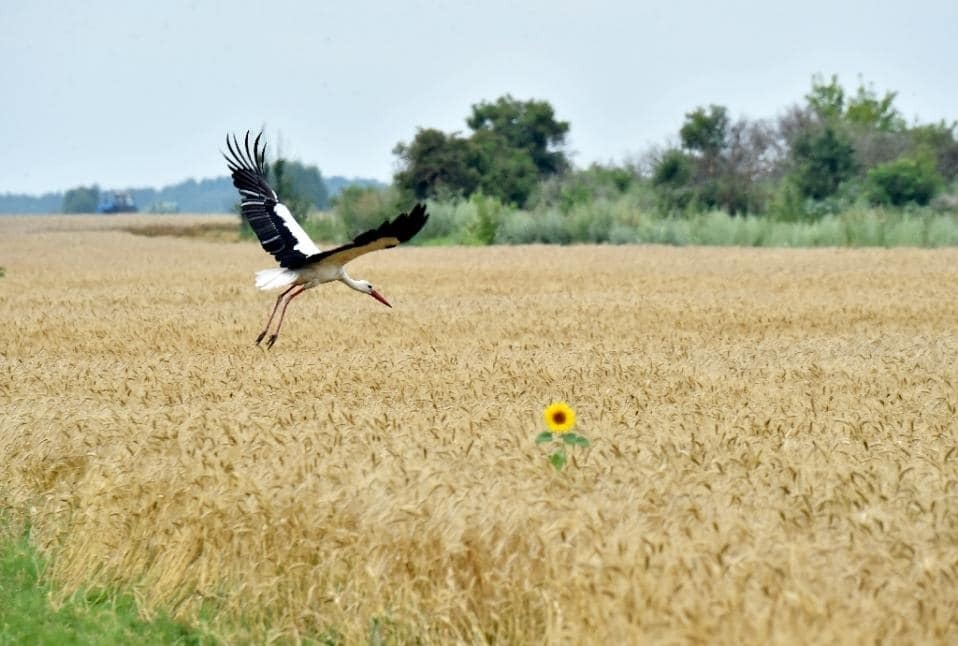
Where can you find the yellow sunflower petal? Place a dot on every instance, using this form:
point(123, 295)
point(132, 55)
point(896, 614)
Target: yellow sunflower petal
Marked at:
point(559, 417)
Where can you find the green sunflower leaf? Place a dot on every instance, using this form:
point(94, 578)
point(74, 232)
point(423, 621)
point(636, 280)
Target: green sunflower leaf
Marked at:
point(570, 438)
point(581, 441)
point(558, 460)
point(544, 436)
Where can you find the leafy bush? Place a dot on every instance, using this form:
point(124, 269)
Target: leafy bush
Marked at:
point(908, 231)
point(623, 234)
point(527, 228)
point(489, 214)
point(787, 203)
point(939, 141)
point(941, 231)
point(629, 219)
point(450, 222)
point(903, 181)
point(359, 209)
point(590, 222)
point(615, 223)
point(672, 176)
point(584, 186)
point(325, 227)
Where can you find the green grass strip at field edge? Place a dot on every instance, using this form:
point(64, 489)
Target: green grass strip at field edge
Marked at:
point(27, 617)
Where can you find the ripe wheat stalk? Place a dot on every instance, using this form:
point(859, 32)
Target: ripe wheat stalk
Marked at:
point(774, 450)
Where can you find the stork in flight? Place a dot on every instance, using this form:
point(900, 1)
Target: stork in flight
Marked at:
point(302, 264)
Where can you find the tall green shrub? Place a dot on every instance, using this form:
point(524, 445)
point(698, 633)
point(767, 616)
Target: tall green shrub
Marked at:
point(360, 208)
point(823, 160)
point(903, 181)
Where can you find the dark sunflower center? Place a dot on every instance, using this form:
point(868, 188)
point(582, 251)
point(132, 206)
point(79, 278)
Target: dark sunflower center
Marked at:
point(558, 417)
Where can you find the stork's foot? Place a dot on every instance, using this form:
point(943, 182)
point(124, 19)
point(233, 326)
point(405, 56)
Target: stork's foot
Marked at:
point(271, 341)
point(260, 337)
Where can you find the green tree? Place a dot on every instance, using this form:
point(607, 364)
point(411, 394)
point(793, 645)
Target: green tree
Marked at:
point(705, 131)
point(870, 123)
point(507, 173)
point(822, 161)
point(82, 199)
point(866, 109)
point(830, 103)
point(435, 163)
point(826, 100)
point(513, 146)
point(903, 181)
point(525, 125)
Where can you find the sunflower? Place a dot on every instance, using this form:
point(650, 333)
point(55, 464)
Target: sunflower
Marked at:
point(560, 418)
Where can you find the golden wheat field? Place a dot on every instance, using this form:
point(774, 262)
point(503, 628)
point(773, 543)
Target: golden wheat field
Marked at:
point(774, 451)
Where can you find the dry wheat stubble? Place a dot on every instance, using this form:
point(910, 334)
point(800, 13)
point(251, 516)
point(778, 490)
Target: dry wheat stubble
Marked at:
point(775, 452)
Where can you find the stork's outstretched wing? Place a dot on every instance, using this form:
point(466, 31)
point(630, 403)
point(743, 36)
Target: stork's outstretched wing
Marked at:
point(389, 234)
point(272, 222)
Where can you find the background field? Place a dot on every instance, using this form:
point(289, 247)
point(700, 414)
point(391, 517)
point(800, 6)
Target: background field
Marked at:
point(775, 445)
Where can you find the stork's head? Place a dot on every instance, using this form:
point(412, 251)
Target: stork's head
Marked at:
point(366, 286)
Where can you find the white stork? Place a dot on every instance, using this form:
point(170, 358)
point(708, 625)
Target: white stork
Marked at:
point(302, 264)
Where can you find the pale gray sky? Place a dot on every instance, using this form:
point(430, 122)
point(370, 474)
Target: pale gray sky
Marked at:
point(132, 93)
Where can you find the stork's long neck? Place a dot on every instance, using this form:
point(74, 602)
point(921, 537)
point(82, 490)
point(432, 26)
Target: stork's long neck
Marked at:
point(344, 277)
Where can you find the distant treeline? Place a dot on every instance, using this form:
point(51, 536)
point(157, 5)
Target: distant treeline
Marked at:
point(838, 168)
point(509, 178)
point(190, 196)
point(23, 203)
point(834, 149)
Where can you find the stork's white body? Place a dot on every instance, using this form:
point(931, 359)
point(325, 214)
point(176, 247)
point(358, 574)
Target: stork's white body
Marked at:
point(308, 276)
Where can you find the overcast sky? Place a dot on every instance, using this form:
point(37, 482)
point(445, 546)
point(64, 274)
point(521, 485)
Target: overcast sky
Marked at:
point(128, 93)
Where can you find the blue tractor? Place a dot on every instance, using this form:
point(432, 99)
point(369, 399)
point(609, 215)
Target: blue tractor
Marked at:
point(116, 202)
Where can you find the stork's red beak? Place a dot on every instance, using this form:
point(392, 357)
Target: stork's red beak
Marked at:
point(379, 297)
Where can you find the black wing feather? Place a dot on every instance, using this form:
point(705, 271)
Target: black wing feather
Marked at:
point(389, 234)
point(258, 203)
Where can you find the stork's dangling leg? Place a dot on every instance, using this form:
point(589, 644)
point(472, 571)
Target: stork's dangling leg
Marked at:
point(273, 313)
point(282, 313)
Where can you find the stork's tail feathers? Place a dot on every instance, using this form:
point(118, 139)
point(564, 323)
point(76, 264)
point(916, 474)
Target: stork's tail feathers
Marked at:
point(274, 278)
